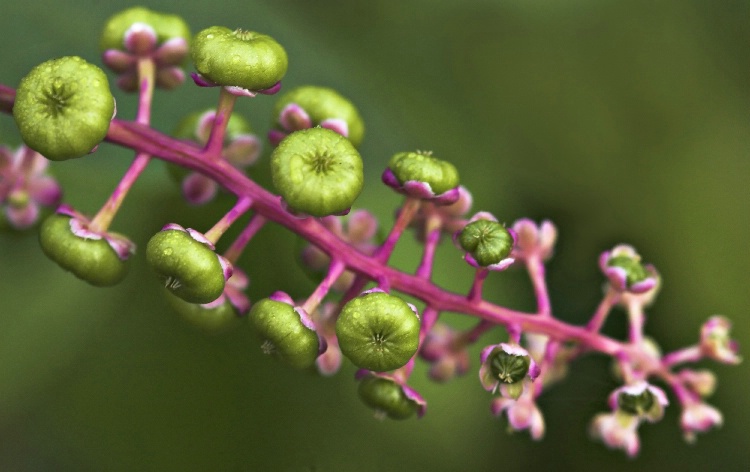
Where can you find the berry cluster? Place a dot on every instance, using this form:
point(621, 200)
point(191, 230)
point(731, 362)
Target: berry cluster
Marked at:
point(64, 109)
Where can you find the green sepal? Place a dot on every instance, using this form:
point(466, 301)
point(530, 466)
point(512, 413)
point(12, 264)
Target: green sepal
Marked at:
point(422, 167)
point(166, 26)
point(317, 171)
point(63, 108)
point(378, 331)
point(213, 320)
point(385, 395)
point(283, 334)
point(487, 241)
point(92, 260)
point(239, 58)
point(323, 103)
point(190, 269)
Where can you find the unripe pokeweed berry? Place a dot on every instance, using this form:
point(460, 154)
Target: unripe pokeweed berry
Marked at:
point(509, 368)
point(487, 241)
point(190, 269)
point(92, 260)
point(238, 58)
point(63, 108)
point(378, 331)
point(284, 334)
point(422, 167)
point(165, 25)
point(322, 104)
point(385, 395)
point(317, 171)
point(634, 270)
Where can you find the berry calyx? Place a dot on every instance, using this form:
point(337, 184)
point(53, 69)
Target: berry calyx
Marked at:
point(287, 333)
point(188, 266)
point(318, 172)
point(378, 331)
point(63, 108)
point(238, 58)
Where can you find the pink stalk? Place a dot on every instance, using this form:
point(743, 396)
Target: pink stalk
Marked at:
point(239, 244)
point(536, 270)
point(215, 141)
point(475, 293)
point(243, 204)
point(336, 268)
point(103, 219)
point(433, 237)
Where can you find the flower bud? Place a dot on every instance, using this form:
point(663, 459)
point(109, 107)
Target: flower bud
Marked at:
point(164, 25)
point(317, 171)
point(378, 331)
point(640, 399)
point(63, 108)
point(238, 58)
point(716, 343)
point(287, 332)
point(622, 265)
point(189, 267)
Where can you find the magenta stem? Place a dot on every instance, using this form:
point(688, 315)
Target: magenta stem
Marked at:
point(688, 354)
point(475, 293)
point(238, 246)
point(243, 204)
point(433, 228)
point(535, 267)
point(215, 141)
point(636, 320)
point(471, 336)
point(605, 306)
point(411, 205)
point(335, 270)
point(103, 219)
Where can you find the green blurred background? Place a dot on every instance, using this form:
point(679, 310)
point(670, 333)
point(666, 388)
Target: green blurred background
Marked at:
point(622, 121)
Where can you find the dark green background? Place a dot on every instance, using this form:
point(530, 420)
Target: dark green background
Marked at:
point(622, 121)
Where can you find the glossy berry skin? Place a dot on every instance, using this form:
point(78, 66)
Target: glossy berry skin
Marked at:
point(63, 108)
point(317, 171)
point(378, 331)
point(238, 58)
point(190, 269)
point(283, 333)
point(166, 26)
point(92, 260)
point(386, 396)
point(487, 241)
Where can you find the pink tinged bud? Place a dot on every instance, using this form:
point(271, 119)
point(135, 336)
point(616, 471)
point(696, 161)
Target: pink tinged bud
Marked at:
point(362, 226)
point(22, 217)
point(204, 125)
point(119, 61)
point(617, 430)
point(169, 77)
point(329, 362)
point(701, 382)
point(533, 239)
point(128, 81)
point(698, 418)
point(337, 125)
point(293, 118)
point(523, 414)
point(716, 343)
point(171, 52)
point(233, 291)
point(45, 190)
point(275, 136)
point(198, 189)
point(243, 150)
point(140, 39)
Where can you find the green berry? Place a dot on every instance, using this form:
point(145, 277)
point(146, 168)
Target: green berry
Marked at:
point(63, 108)
point(384, 395)
point(636, 404)
point(322, 103)
point(422, 167)
point(165, 25)
point(317, 171)
point(190, 269)
point(487, 241)
point(378, 331)
point(92, 260)
point(283, 333)
point(240, 58)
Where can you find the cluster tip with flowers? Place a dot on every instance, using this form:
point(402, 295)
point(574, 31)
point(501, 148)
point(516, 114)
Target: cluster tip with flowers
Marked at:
point(64, 109)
